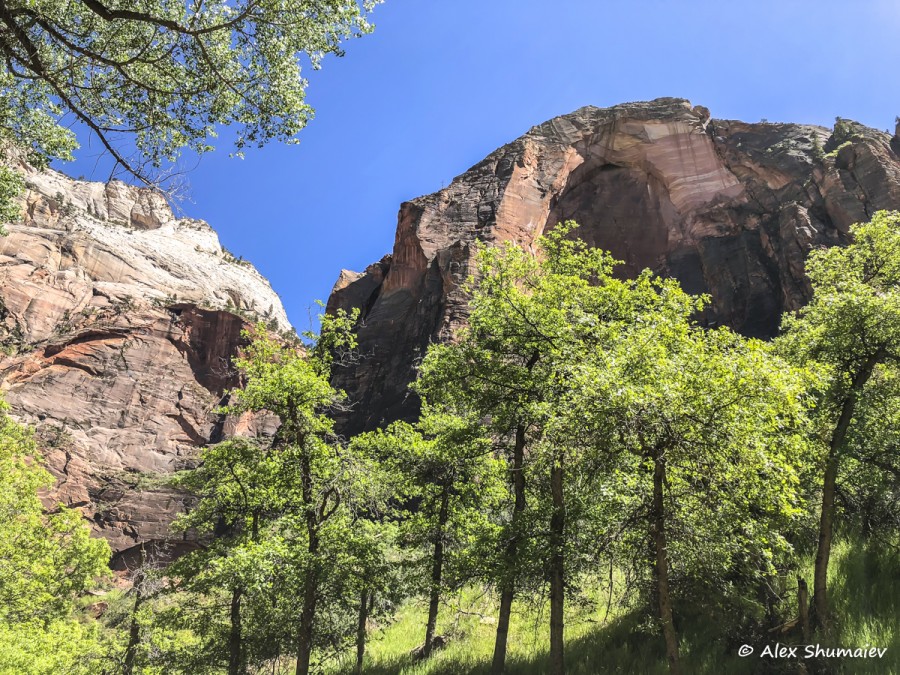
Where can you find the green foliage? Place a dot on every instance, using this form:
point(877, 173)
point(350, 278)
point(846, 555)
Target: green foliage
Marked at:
point(164, 73)
point(850, 332)
point(605, 382)
point(447, 482)
point(855, 310)
point(613, 639)
point(870, 477)
point(292, 524)
point(843, 131)
point(47, 648)
point(48, 558)
point(158, 76)
point(46, 561)
point(285, 381)
point(532, 322)
point(818, 151)
point(726, 418)
point(11, 185)
point(582, 426)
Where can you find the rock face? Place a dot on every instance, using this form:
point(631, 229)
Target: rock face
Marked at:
point(118, 323)
point(729, 208)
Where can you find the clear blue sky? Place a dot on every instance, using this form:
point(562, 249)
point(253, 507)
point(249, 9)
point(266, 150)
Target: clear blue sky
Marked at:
point(439, 85)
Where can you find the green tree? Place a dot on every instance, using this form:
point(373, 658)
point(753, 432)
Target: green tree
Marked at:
point(870, 475)
point(851, 330)
point(374, 581)
point(240, 486)
point(444, 466)
point(47, 559)
point(604, 396)
point(705, 432)
point(533, 321)
point(11, 184)
point(294, 386)
point(501, 367)
point(147, 582)
point(325, 486)
point(162, 75)
point(292, 539)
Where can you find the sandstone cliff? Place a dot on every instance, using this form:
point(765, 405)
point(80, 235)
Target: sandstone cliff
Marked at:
point(729, 208)
point(118, 322)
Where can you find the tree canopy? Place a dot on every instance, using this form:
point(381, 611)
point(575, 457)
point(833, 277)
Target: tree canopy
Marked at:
point(152, 77)
point(581, 424)
point(851, 332)
point(621, 418)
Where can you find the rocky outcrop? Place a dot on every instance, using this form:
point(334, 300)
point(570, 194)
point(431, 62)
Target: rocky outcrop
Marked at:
point(729, 208)
point(83, 247)
point(118, 323)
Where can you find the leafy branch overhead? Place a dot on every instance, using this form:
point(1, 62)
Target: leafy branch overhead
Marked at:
point(159, 76)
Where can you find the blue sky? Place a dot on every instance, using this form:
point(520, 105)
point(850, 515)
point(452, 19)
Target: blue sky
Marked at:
point(439, 85)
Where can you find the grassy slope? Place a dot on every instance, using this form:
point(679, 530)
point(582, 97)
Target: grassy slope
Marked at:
point(865, 595)
point(866, 601)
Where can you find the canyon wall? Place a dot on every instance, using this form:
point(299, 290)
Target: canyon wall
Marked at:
point(118, 320)
point(118, 323)
point(729, 208)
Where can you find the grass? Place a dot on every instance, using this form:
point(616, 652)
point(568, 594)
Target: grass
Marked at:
point(595, 642)
point(865, 596)
point(865, 583)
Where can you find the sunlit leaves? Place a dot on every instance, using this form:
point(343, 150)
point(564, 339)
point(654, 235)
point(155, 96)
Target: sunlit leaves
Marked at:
point(850, 333)
point(46, 561)
point(166, 74)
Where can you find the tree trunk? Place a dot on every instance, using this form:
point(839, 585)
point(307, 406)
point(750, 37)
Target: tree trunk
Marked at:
point(803, 608)
point(826, 532)
point(134, 632)
point(361, 630)
point(662, 564)
point(308, 612)
point(829, 487)
point(508, 591)
point(557, 568)
point(498, 665)
point(310, 583)
point(235, 644)
point(437, 568)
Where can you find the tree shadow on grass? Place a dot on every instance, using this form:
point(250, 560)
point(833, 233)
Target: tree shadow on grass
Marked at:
point(620, 647)
point(392, 666)
point(615, 648)
point(865, 603)
point(865, 598)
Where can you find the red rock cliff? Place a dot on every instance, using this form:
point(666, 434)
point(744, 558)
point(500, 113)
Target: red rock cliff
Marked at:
point(729, 208)
point(118, 323)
